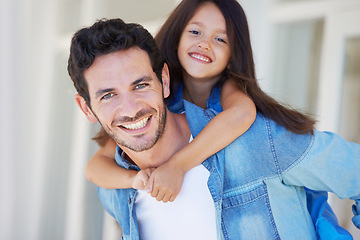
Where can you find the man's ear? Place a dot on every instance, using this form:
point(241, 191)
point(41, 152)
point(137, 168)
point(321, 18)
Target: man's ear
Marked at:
point(85, 108)
point(165, 75)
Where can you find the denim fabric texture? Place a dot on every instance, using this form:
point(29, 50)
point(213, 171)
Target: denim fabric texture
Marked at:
point(257, 182)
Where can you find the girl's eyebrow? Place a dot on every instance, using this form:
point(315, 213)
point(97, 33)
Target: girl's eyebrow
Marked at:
point(220, 30)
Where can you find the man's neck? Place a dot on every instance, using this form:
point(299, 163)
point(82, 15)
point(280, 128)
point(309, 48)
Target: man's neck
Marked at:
point(176, 136)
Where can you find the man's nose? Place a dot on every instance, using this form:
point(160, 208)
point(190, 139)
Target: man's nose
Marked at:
point(128, 106)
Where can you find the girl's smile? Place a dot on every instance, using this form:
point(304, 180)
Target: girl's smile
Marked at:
point(200, 57)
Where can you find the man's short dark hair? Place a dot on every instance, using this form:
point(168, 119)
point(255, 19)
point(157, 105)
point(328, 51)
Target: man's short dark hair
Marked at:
point(103, 37)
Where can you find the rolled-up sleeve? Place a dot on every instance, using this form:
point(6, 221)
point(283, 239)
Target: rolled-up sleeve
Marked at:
point(330, 164)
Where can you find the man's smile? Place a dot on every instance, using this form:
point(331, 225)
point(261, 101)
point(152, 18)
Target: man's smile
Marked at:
point(138, 125)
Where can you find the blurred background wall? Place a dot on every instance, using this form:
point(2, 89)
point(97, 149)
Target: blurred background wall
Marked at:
point(307, 54)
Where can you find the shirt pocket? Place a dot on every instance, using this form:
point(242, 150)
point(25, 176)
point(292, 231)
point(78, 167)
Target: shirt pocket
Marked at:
point(246, 214)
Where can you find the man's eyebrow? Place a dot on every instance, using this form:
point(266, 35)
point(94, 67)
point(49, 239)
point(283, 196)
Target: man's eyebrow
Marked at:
point(101, 92)
point(142, 79)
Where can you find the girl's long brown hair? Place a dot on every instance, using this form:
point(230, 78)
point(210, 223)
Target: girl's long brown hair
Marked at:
point(241, 66)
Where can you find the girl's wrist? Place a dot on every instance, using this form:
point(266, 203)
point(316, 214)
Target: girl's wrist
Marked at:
point(131, 177)
point(178, 163)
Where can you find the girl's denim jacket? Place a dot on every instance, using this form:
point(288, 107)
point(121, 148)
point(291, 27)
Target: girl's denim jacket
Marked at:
point(257, 182)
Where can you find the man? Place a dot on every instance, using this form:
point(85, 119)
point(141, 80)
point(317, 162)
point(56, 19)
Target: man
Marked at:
point(252, 189)
point(124, 92)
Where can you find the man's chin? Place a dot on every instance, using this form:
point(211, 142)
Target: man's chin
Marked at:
point(137, 146)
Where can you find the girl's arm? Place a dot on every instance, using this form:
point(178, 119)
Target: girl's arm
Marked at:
point(102, 170)
point(238, 114)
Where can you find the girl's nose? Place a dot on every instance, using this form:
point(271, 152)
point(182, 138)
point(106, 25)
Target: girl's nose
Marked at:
point(204, 44)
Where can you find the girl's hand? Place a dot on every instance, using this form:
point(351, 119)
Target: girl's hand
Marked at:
point(141, 178)
point(165, 182)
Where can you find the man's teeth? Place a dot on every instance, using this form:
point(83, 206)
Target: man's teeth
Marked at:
point(200, 57)
point(140, 124)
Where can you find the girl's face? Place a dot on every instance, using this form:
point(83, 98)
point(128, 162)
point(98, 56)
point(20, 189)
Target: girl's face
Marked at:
point(204, 49)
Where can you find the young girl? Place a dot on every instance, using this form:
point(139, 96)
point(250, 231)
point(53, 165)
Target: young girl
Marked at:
point(211, 64)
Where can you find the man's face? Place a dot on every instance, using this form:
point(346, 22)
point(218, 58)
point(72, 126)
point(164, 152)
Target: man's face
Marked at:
point(127, 98)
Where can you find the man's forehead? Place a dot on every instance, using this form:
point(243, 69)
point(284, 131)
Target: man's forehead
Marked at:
point(124, 58)
point(123, 67)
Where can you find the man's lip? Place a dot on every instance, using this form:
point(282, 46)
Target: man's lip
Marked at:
point(200, 57)
point(138, 126)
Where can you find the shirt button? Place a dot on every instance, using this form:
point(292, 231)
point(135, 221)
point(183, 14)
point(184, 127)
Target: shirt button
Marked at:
point(129, 200)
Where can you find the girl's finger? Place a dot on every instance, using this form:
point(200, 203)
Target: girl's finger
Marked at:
point(160, 196)
point(155, 193)
point(172, 198)
point(166, 198)
point(149, 184)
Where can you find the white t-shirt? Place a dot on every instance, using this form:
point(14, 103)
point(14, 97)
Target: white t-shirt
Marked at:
point(190, 216)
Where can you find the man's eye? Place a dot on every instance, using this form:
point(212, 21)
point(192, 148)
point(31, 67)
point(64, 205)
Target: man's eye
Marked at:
point(107, 96)
point(140, 86)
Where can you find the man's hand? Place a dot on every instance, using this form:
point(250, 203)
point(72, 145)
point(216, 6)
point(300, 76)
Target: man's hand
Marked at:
point(165, 182)
point(141, 178)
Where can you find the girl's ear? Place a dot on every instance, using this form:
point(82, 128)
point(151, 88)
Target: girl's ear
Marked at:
point(85, 108)
point(166, 80)
point(228, 67)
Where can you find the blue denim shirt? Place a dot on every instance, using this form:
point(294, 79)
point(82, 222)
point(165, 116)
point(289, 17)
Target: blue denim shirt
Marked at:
point(257, 182)
point(325, 222)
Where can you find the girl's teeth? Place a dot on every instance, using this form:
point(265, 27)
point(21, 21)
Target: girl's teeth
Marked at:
point(202, 58)
point(140, 124)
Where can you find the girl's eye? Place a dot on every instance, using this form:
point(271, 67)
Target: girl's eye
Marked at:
point(194, 32)
point(107, 96)
point(220, 40)
point(140, 86)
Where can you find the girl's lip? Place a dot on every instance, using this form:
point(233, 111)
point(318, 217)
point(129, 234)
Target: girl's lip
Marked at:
point(200, 57)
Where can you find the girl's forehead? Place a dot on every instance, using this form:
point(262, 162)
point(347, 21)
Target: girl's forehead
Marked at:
point(207, 9)
point(208, 14)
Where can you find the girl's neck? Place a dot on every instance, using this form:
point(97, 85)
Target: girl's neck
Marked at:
point(198, 91)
